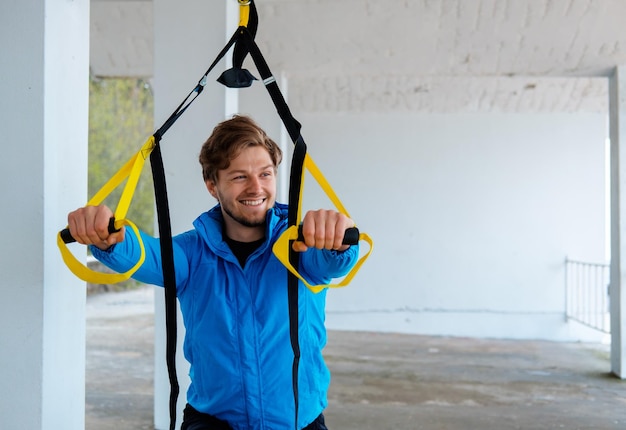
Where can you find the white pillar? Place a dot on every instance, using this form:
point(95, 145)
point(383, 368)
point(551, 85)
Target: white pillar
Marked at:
point(188, 35)
point(256, 102)
point(44, 52)
point(617, 125)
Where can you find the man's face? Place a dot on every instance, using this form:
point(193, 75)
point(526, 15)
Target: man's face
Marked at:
point(246, 190)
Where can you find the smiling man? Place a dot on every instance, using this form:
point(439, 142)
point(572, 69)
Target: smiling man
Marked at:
point(233, 290)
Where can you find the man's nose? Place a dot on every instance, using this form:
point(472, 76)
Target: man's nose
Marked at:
point(254, 184)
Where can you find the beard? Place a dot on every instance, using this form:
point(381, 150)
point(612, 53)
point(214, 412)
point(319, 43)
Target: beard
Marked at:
point(230, 210)
point(245, 221)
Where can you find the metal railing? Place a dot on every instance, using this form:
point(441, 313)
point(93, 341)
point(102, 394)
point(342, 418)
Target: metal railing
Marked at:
point(587, 293)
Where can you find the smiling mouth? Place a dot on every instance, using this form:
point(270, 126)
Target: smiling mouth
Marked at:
point(257, 202)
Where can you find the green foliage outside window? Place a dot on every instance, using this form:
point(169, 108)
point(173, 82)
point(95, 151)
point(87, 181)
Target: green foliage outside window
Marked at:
point(120, 121)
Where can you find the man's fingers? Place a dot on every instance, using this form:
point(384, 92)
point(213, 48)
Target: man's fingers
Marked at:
point(324, 229)
point(116, 237)
point(90, 225)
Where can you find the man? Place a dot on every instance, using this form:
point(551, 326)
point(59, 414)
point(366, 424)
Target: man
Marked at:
point(232, 289)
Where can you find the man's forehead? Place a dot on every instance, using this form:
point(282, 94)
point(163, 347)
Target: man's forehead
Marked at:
point(251, 159)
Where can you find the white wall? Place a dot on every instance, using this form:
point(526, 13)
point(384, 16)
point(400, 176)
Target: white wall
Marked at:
point(472, 191)
point(472, 216)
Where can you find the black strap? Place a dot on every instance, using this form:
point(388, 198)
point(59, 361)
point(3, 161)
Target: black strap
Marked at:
point(291, 124)
point(243, 39)
point(237, 77)
point(169, 274)
point(293, 284)
point(240, 51)
point(193, 94)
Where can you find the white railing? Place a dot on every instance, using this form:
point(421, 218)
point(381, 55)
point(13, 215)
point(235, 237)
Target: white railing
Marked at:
point(587, 293)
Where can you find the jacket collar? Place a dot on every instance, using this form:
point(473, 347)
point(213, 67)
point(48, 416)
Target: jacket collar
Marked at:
point(209, 226)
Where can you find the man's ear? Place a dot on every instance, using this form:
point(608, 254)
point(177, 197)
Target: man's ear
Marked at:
point(210, 185)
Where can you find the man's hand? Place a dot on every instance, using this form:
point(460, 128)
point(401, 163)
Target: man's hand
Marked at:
point(90, 226)
point(323, 229)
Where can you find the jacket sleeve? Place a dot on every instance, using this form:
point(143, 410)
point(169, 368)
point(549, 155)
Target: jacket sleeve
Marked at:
point(124, 255)
point(319, 267)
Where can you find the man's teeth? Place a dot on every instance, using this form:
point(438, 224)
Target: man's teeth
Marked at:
point(252, 202)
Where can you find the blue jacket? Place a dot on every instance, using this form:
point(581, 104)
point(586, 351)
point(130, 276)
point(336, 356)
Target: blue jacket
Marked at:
point(237, 324)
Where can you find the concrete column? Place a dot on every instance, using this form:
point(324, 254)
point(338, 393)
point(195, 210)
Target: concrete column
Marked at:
point(188, 36)
point(617, 125)
point(44, 52)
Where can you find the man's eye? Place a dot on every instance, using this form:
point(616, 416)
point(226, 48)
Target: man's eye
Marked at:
point(239, 178)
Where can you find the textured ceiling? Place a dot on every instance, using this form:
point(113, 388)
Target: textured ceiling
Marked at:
point(433, 55)
point(449, 37)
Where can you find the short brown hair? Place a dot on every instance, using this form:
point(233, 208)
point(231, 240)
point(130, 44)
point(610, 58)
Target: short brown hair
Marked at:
point(227, 141)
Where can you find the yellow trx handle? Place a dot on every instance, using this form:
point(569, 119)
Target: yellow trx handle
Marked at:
point(281, 247)
point(129, 172)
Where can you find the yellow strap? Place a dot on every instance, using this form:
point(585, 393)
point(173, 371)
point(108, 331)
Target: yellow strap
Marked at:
point(281, 247)
point(86, 274)
point(244, 13)
point(321, 180)
point(130, 171)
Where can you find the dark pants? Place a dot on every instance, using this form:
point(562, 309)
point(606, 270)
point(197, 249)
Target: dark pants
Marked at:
point(194, 420)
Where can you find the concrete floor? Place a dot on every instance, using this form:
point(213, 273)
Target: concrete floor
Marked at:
point(380, 381)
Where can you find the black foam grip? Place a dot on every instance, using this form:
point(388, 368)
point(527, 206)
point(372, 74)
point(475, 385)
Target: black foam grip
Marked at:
point(351, 237)
point(67, 237)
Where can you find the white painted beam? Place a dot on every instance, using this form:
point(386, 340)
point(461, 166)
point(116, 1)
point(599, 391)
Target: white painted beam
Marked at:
point(617, 125)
